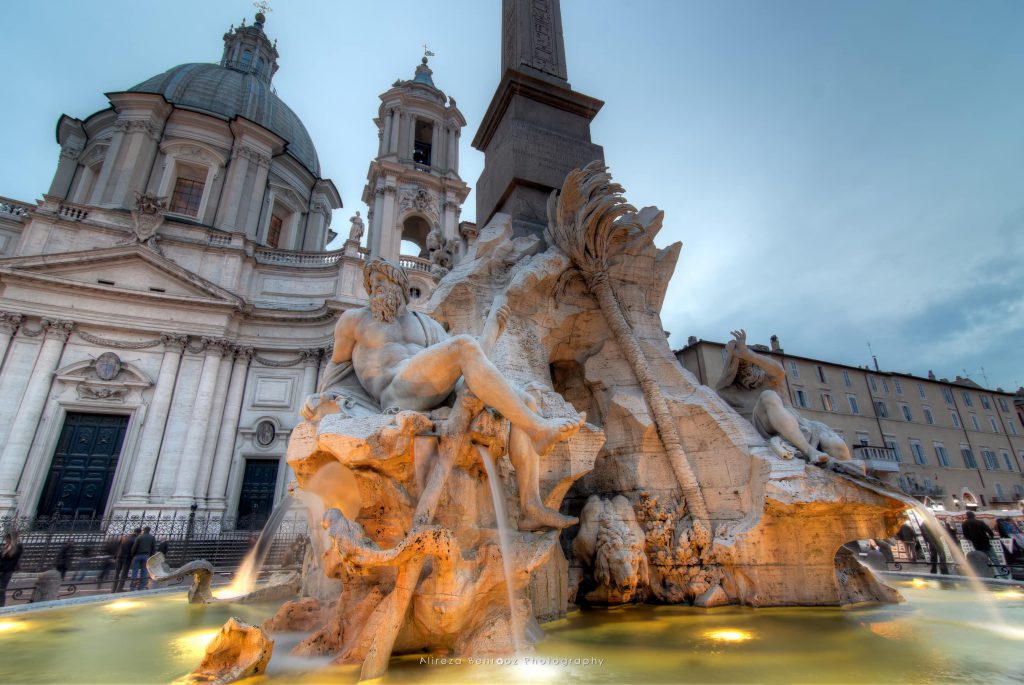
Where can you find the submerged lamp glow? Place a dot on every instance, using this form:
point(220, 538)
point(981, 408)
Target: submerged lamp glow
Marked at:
point(729, 635)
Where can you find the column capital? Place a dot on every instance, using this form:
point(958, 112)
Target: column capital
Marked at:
point(215, 346)
point(244, 353)
point(10, 321)
point(311, 356)
point(174, 341)
point(58, 328)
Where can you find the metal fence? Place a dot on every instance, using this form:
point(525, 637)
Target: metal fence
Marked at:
point(221, 540)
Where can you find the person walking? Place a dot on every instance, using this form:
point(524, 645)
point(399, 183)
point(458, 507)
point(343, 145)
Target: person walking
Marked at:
point(143, 549)
point(124, 559)
point(108, 557)
point(936, 553)
point(979, 534)
point(10, 555)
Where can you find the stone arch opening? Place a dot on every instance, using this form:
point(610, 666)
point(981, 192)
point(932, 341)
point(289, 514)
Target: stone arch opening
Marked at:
point(414, 230)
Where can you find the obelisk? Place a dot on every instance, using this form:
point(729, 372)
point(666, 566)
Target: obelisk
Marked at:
point(537, 128)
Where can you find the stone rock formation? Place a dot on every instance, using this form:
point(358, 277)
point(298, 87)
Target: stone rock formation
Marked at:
point(608, 554)
point(238, 651)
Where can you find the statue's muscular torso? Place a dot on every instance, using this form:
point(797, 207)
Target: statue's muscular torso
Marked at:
point(377, 349)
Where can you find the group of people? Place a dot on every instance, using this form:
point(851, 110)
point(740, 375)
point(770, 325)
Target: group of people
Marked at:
point(10, 556)
point(973, 529)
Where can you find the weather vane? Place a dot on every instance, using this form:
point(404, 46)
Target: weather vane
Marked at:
point(262, 6)
point(427, 52)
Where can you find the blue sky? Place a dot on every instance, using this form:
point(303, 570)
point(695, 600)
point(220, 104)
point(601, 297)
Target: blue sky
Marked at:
point(838, 172)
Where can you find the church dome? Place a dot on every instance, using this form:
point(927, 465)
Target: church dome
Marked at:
point(229, 92)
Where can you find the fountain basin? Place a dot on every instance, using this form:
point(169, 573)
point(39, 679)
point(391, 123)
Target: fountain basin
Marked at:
point(940, 634)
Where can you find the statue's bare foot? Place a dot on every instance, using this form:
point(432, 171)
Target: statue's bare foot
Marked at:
point(552, 431)
point(535, 518)
point(817, 457)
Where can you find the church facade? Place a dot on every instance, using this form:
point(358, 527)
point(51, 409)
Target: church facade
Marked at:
point(168, 305)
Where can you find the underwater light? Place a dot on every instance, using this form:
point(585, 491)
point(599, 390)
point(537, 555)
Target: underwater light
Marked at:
point(11, 626)
point(729, 635)
point(193, 645)
point(124, 605)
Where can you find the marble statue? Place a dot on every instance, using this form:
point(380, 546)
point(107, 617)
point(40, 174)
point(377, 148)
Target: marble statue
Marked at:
point(404, 360)
point(609, 551)
point(356, 230)
point(755, 385)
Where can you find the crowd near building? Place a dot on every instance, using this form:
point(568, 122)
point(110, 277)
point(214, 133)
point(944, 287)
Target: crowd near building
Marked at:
point(952, 444)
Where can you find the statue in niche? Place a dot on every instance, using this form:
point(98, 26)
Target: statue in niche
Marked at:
point(147, 217)
point(389, 358)
point(755, 386)
point(356, 230)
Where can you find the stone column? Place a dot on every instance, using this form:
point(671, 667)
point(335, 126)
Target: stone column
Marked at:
point(191, 452)
point(231, 194)
point(213, 429)
point(229, 428)
point(396, 129)
point(455, 165)
point(450, 153)
point(156, 419)
point(310, 371)
point(23, 429)
point(385, 137)
point(66, 167)
point(8, 325)
point(258, 189)
point(435, 146)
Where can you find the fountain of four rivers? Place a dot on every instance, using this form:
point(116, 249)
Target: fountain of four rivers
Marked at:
point(449, 453)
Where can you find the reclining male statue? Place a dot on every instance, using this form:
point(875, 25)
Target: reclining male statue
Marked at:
point(388, 357)
point(755, 385)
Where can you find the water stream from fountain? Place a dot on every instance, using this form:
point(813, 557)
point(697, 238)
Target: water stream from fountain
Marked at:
point(248, 572)
point(998, 621)
point(504, 541)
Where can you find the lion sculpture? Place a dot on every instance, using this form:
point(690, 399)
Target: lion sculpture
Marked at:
point(609, 562)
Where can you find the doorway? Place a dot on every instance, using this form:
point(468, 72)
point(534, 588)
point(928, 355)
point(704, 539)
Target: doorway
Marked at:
point(256, 500)
point(83, 465)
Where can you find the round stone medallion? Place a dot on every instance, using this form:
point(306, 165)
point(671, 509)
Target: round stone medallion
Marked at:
point(108, 365)
point(265, 433)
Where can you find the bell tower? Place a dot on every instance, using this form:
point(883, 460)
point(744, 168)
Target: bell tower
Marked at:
point(413, 188)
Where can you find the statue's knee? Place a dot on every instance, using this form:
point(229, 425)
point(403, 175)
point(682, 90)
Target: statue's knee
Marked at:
point(465, 343)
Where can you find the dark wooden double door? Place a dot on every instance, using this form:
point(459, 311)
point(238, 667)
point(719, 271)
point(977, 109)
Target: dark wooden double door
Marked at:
point(83, 465)
point(256, 499)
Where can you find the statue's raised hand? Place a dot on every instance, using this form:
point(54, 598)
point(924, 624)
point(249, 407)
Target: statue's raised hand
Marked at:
point(740, 339)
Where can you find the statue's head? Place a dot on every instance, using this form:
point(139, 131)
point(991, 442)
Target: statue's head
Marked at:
point(749, 376)
point(388, 287)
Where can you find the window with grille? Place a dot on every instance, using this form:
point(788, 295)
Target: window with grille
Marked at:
point(801, 398)
point(985, 402)
point(1002, 404)
point(187, 196)
point(921, 392)
point(846, 379)
point(928, 418)
point(274, 232)
point(895, 447)
point(854, 407)
point(941, 454)
point(881, 409)
point(967, 399)
point(907, 416)
point(992, 422)
point(947, 395)
point(1008, 460)
point(896, 384)
point(793, 371)
point(956, 419)
point(969, 460)
point(871, 381)
point(974, 421)
point(991, 463)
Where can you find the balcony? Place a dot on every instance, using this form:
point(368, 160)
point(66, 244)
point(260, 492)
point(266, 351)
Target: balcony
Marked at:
point(878, 459)
point(915, 489)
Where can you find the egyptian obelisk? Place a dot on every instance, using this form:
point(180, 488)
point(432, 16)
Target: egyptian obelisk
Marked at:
point(537, 128)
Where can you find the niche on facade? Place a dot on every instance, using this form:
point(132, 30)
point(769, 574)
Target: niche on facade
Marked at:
point(107, 379)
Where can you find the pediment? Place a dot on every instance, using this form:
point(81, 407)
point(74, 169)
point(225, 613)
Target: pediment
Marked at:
point(131, 268)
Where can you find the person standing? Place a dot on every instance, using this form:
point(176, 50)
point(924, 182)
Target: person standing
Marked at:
point(124, 559)
point(143, 549)
point(979, 534)
point(10, 555)
point(64, 557)
point(936, 553)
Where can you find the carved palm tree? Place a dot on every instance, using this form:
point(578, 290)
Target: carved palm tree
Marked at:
point(591, 221)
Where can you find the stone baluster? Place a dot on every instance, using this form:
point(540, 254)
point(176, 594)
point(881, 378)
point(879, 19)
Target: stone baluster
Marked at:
point(191, 452)
point(8, 325)
point(156, 418)
point(23, 429)
point(229, 428)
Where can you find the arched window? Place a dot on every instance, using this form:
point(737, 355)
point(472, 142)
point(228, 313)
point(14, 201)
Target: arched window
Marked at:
point(246, 60)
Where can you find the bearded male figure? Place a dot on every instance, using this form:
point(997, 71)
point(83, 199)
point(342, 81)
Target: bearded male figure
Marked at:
point(755, 386)
point(405, 360)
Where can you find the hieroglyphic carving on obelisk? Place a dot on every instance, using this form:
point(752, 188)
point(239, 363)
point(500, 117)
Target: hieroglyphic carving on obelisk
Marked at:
point(531, 33)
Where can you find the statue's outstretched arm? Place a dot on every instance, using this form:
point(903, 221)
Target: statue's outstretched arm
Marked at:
point(497, 318)
point(344, 342)
point(775, 371)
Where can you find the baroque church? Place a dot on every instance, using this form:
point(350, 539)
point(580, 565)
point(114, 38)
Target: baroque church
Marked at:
point(168, 305)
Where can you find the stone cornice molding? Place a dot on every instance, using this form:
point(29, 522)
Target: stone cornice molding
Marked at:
point(273, 363)
point(71, 151)
point(96, 152)
point(193, 151)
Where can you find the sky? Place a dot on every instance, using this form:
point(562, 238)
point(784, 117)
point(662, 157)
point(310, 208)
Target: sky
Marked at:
point(839, 172)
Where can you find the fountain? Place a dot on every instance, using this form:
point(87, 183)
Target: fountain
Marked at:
point(526, 443)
